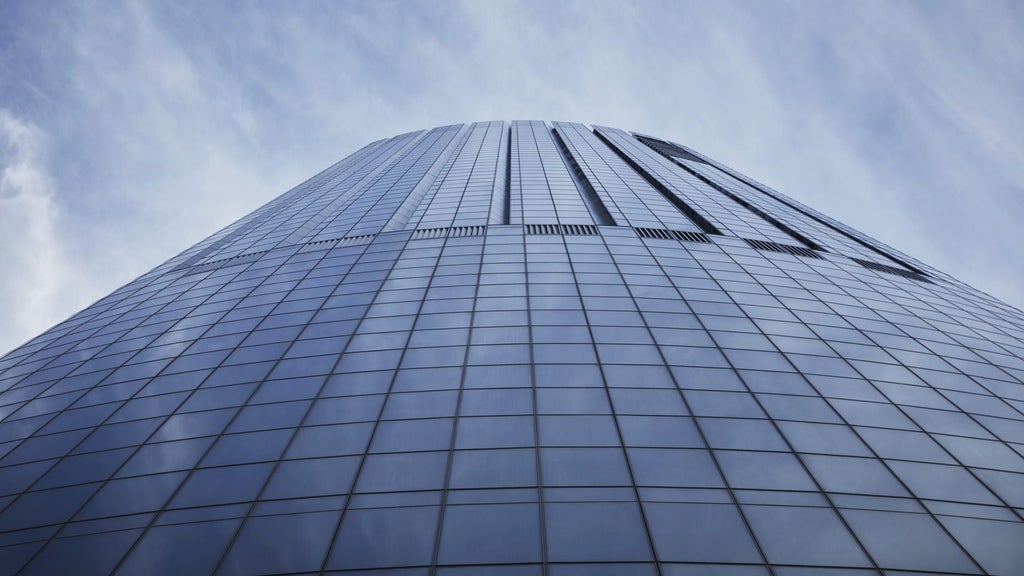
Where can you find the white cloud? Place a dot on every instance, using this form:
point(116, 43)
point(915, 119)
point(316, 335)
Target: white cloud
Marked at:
point(37, 281)
point(167, 121)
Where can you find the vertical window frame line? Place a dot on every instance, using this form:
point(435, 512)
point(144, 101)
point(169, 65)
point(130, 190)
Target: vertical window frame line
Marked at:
point(598, 211)
point(703, 223)
point(188, 472)
point(824, 493)
point(608, 395)
point(333, 541)
point(438, 171)
point(805, 210)
point(697, 425)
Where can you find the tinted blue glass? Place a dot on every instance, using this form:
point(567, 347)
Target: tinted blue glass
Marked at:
point(659, 431)
point(804, 536)
point(405, 345)
point(166, 456)
point(99, 554)
point(247, 447)
point(741, 434)
point(495, 432)
point(119, 435)
point(406, 435)
point(84, 468)
point(180, 549)
point(222, 485)
point(45, 507)
point(578, 431)
point(413, 471)
point(343, 410)
point(941, 482)
point(584, 467)
point(595, 531)
point(263, 417)
point(493, 468)
point(319, 477)
point(378, 538)
point(856, 475)
point(12, 558)
point(272, 544)
point(907, 541)
point(132, 495)
point(699, 533)
point(329, 440)
point(764, 470)
point(674, 468)
point(490, 533)
point(994, 544)
point(17, 478)
point(194, 424)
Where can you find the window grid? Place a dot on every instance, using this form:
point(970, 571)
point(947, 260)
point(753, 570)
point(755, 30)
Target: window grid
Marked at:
point(505, 401)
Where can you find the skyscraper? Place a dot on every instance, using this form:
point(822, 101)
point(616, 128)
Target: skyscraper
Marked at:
point(522, 349)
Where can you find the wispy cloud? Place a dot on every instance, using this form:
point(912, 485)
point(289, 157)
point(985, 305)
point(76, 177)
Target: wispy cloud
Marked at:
point(38, 284)
point(167, 120)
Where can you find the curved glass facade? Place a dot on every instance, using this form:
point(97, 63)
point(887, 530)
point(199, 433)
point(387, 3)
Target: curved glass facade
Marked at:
point(522, 348)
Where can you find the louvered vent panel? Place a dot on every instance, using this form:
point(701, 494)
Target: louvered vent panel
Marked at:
point(464, 231)
point(356, 240)
point(781, 248)
point(335, 242)
point(452, 232)
point(318, 245)
point(233, 261)
point(891, 270)
point(563, 229)
point(427, 233)
point(666, 234)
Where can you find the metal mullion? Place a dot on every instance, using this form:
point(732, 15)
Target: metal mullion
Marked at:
point(899, 407)
point(383, 405)
point(99, 351)
point(825, 494)
point(542, 514)
point(248, 513)
point(138, 447)
point(93, 387)
point(458, 409)
point(700, 431)
point(611, 405)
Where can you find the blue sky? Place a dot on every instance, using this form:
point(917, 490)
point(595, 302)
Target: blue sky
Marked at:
point(129, 131)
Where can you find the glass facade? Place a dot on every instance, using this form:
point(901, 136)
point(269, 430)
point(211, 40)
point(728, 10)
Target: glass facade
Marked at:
point(522, 348)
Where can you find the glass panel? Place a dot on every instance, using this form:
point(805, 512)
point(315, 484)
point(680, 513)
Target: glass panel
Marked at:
point(271, 544)
point(391, 472)
point(995, 545)
point(222, 485)
point(595, 532)
point(699, 533)
point(680, 468)
point(493, 469)
point(319, 477)
point(194, 548)
point(383, 537)
point(813, 536)
point(907, 541)
point(490, 533)
point(584, 467)
point(764, 471)
point(95, 555)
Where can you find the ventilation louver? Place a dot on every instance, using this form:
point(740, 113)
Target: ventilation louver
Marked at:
point(664, 234)
point(781, 248)
point(233, 261)
point(563, 229)
point(891, 270)
point(451, 232)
